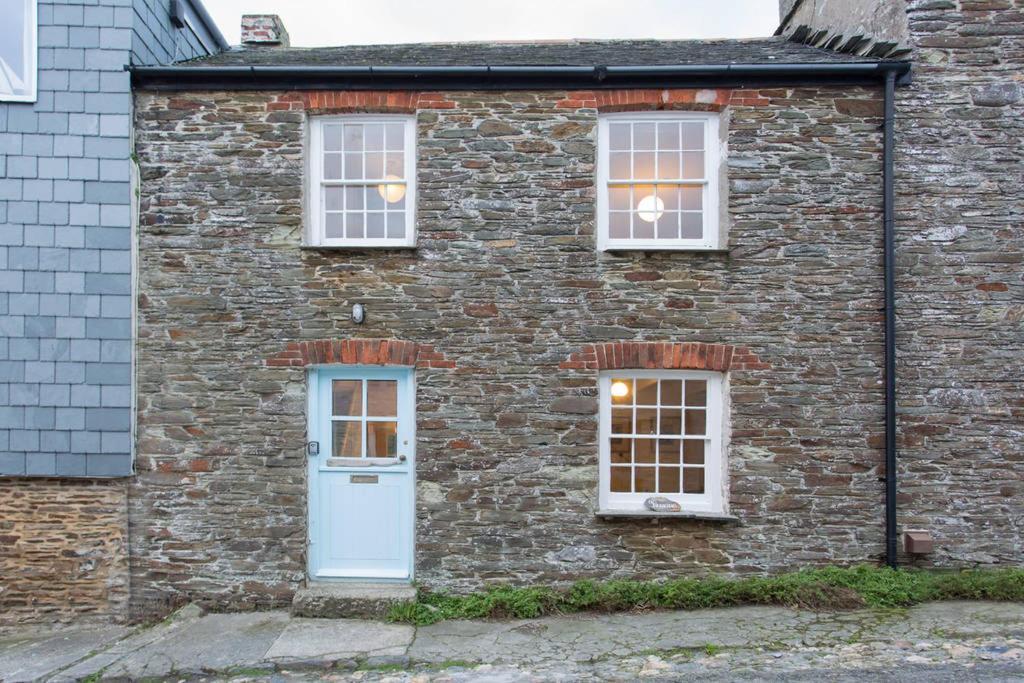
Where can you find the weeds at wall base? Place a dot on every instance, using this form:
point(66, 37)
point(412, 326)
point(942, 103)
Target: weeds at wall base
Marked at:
point(830, 588)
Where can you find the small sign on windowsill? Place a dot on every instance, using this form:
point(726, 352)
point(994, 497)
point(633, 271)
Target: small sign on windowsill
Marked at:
point(662, 504)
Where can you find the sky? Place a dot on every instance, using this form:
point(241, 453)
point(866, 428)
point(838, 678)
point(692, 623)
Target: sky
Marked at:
point(365, 22)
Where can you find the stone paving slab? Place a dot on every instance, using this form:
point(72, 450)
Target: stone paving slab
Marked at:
point(339, 639)
point(30, 653)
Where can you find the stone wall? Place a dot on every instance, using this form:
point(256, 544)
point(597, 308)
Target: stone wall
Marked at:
point(960, 280)
point(506, 283)
point(63, 550)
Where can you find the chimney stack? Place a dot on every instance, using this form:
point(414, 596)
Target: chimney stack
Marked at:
point(264, 30)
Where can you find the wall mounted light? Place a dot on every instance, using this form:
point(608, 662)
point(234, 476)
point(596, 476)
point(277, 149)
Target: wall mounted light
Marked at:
point(358, 314)
point(620, 389)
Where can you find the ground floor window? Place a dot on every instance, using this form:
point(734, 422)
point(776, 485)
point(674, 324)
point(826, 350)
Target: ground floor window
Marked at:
point(661, 436)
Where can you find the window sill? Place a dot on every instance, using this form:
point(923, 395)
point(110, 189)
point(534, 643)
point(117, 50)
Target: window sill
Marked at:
point(650, 514)
point(358, 247)
point(629, 251)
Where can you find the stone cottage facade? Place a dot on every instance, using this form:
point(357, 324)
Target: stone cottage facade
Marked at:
point(467, 319)
point(66, 283)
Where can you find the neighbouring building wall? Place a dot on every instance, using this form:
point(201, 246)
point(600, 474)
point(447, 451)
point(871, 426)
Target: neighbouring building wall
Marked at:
point(960, 274)
point(838, 22)
point(506, 283)
point(63, 550)
point(960, 280)
point(66, 315)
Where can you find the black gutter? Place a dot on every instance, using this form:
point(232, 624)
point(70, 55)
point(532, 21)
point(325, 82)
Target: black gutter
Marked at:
point(889, 266)
point(511, 77)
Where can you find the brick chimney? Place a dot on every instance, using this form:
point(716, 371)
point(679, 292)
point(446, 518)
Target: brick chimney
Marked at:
point(264, 30)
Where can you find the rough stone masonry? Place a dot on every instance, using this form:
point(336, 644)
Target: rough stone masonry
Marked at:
point(507, 285)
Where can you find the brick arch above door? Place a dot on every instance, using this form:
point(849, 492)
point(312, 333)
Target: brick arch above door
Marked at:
point(663, 355)
point(386, 352)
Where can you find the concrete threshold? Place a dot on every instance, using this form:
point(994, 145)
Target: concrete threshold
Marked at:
point(347, 600)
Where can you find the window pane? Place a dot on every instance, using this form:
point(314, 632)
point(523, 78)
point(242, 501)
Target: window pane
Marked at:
point(642, 230)
point(374, 136)
point(693, 135)
point(693, 480)
point(643, 136)
point(693, 452)
point(347, 439)
point(618, 136)
point(692, 198)
point(692, 226)
point(624, 385)
point(396, 225)
point(668, 165)
point(696, 392)
point(668, 450)
point(375, 165)
point(375, 225)
point(395, 166)
point(348, 397)
point(622, 421)
point(643, 450)
point(668, 135)
point(667, 227)
point(334, 225)
point(354, 226)
point(621, 451)
point(646, 420)
point(381, 398)
point(668, 480)
point(381, 439)
point(332, 167)
point(618, 166)
point(647, 391)
point(618, 198)
point(693, 165)
point(696, 422)
point(643, 165)
point(618, 225)
point(332, 138)
point(669, 196)
point(333, 198)
point(643, 480)
point(621, 479)
point(671, 421)
point(353, 137)
point(354, 198)
point(353, 165)
point(671, 392)
point(395, 134)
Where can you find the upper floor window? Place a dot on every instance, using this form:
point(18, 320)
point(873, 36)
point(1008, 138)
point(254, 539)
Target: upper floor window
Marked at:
point(658, 181)
point(661, 436)
point(362, 181)
point(18, 51)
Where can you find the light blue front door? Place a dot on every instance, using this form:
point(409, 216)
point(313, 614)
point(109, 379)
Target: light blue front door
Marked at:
point(361, 480)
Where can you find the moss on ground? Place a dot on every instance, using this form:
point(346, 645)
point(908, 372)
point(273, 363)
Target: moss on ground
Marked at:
point(827, 588)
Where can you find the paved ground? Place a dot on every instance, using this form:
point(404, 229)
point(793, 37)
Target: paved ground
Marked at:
point(955, 641)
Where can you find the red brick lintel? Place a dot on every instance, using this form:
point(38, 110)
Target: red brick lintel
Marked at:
point(663, 355)
point(359, 352)
point(409, 101)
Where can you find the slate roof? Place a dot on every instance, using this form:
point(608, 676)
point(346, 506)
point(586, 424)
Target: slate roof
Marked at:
point(774, 50)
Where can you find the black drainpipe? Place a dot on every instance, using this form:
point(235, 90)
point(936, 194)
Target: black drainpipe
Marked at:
point(888, 197)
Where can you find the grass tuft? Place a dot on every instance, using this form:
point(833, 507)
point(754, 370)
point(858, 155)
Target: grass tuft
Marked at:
point(826, 588)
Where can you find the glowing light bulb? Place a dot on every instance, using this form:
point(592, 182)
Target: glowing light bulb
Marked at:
point(389, 192)
point(650, 208)
point(620, 389)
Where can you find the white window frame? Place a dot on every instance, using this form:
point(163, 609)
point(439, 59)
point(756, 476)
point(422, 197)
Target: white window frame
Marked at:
point(710, 197)
point(714, 498)
point(31, 55)
point(315, 234)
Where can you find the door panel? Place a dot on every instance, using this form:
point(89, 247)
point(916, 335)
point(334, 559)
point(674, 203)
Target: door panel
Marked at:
point(361, 481)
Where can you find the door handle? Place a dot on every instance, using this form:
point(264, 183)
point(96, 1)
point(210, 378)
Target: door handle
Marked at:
point(401, 458)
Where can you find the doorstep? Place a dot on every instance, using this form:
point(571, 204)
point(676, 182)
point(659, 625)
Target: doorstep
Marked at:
point(339, 600)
